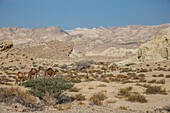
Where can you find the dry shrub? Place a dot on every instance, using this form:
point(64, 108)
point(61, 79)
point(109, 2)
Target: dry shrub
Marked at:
point(105, 80)
point(155, 90)
point(101, 85)
point(142, 70)
point(13, 95)
point(137, 98)
point(121, 76)
point(161, 75)
point(152, 81)
point(97, 98)
point(90, 87)
point(162, 81)
point(142, 75)
point(142, 80)
point(124, 92)
point(80, 102)
point(131, 74)
point(167, 76)
point(74, 89)
point(61, 107)
point(111, 101)
point(154, 75)
point(49, 99)
point(123, 107)
point(79, 97)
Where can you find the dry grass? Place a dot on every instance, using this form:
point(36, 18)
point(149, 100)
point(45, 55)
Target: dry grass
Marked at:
point(155, 90)
point(74, 89)
point(152, 81)
point(101, 85)
point(136, 97)
point(61, 107)
point(105, 80)
point(124, 92)
point(23, 97)
point(162, 81)
point(111, 101)
point(90, 87)
point(79, 97)
point(167, 76)
point(123, 107)
point(97, 98)
point(80, 103)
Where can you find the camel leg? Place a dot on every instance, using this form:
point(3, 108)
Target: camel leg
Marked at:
point(21, 82)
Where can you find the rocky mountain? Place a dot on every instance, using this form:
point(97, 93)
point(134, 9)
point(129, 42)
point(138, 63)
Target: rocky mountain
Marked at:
point(50, 49)
point(121, 41)
point(113, 40)
point(21, 36)
point(156, 49)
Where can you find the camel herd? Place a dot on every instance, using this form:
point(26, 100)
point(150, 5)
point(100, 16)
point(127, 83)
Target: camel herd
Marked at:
point(33, 73)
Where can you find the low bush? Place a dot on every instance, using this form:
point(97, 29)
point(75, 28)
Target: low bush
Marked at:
point(83, 64)
point(167, 76)
point(137, 98)
point(79, 97)
point(124, 92)
point(74, 89)
point(97, 98)
point(16, 95)
point(155, 90)
point(53, 86)
point(162, 81)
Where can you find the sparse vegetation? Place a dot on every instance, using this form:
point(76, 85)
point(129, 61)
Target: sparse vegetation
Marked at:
point(61, 107)
point(136, 97)
point(124, 92)
point(97, 98)
point(152, 81)
point(155, 90)
point(74, 89)
point(123, 107)
point(167, 76)
point(79, 97)
point(162, 81)
point(11, 95)
point(101, 85)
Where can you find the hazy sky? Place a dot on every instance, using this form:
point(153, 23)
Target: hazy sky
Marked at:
point(69, 14)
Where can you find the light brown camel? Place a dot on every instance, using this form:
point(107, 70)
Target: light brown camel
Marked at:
point(113, 67)
point(50, 72)
point(105, 68)
point(89, 69)
point(19, 77)
point(34, 72)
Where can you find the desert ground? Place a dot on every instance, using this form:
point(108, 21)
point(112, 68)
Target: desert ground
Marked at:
point(106, 83)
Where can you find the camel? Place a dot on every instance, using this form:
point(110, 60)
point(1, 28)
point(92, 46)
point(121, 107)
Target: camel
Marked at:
point(89, 69)
point(105, 68)
point(113, 67)
point(50, 72)
point(34, 72)
point(19, 77)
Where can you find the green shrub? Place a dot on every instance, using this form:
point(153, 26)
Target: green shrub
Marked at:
point(54, 86)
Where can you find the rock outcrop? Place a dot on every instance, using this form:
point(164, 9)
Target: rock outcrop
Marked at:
point(156, 49)
point(50, 49)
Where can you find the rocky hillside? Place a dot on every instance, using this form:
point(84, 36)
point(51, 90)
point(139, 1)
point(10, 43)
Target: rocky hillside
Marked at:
point(113, 40)
point(157, 48)
point(121, 41)
point(24, 36)
point(50, 49)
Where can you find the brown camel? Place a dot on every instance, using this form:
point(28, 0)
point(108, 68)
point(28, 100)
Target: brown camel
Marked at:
point(19, 77)
point(105, 68)
point(89, 69)
point(50, 72)
point(34, 72)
